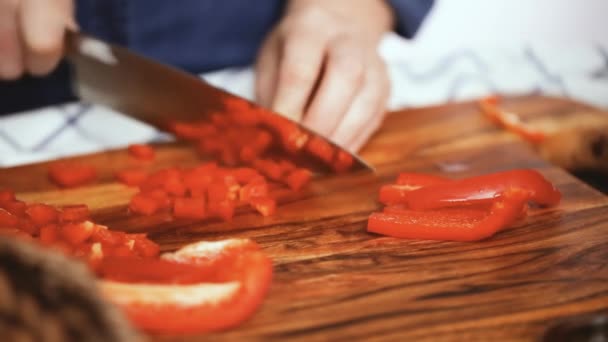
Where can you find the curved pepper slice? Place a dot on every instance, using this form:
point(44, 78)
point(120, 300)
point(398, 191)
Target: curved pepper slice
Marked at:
point(480, 189)
point(406, 182)
point(455, 224)
point(509, 120)
point(234, 280)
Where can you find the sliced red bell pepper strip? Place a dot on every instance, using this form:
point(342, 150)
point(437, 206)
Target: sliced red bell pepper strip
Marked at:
point(482, 189)
point(512, 122)
point(419, 180)
point(406, 182)
point(231, 285)
point(455, 224)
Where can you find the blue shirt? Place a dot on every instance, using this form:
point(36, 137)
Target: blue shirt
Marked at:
point(194, 35)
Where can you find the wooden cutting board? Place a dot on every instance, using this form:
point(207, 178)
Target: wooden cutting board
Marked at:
point(333, 280)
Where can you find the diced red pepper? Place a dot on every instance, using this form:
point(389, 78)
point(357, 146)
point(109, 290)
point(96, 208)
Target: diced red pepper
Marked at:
point(7, 196)
point(239, 278)
point(264, 205)
point(244, 175)
point(321, 149)
point(29, 227)
point(107, 237)
point(49, 234)
point(175, 186)
point(71, 174)
point(223, 209)
point(455, 224)
point(15, 207)
point(257, 187)
point(161, 197)
point(145, 247)
point(190, 208)
point(297, 179)
point(75, 213)
point(141, 151)
point(42, 214)
point(131, 177)
point(8, 220)
point(77, 233)
point(483, 188)
point(143, 204)
point(344, 162)
point(268, 168)
point(217, 192)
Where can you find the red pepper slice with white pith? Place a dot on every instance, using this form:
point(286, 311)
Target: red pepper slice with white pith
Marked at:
point(455, 224)
point(233, 280)
point(484, 188)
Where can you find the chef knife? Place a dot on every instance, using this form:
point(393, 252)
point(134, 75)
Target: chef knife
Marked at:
point(152, 92)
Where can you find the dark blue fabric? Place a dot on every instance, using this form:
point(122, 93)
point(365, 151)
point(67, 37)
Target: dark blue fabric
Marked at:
point(194, 35)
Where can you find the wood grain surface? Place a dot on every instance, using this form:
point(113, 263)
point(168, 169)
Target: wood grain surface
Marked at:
point(335, 281)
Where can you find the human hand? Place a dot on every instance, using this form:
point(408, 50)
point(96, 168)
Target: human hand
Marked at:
point(320, 65)
point(31, 35)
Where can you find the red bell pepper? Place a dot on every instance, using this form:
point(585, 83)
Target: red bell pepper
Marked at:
point(489, 106)
point(321, 149)
point(264, 205)
point(406, 182)
point(42, 214)
point(74, 213)
point(144, 204)
point(482, 189)
point(132, 177)
point(207, 286)
point(298, 178)
point(456, 224)
point(77, 233)
point(71, 174)
point(190, 208)
point(141, 151)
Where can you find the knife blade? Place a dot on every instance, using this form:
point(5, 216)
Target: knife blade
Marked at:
point(115, 77)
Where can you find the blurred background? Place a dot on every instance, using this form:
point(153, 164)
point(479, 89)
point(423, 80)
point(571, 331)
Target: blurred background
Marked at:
point(466, 49)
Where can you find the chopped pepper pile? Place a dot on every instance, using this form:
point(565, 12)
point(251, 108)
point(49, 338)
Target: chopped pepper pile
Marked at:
point(429, 207)
point(209, 190)
point(206, 286)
